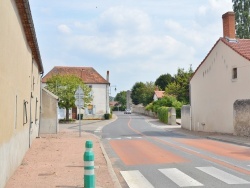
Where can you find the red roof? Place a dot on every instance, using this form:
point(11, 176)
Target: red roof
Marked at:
point(159, 94)
point(240, 46)
point(88, 74)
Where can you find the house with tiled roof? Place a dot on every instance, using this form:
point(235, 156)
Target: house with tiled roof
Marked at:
point(20, 80)
point(99, 90)
point(220, 81)
point(158, 95)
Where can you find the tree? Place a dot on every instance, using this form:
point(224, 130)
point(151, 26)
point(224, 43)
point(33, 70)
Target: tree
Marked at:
point(163, 81)
point(142, 93)
point(121, 98)
point(64, 86)
point(137, 92)
point(180, 87)
point(242, 18)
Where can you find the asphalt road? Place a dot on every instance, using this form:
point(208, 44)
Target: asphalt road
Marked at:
point(147, 155)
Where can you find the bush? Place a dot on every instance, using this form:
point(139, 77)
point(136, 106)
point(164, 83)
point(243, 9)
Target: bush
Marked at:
point(81, 115)
point(163, 114)
point(178, 112)
point(107, 116)
point(66, 121)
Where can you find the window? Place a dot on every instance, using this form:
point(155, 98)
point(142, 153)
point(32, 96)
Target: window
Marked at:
point(234, 73)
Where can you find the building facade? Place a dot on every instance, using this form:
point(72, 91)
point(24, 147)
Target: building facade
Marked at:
point(222, 78)
point(99, 91)
point(20, 77)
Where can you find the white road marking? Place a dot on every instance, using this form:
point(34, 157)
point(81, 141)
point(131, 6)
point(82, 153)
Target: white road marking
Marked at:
point(128, 137)
point(189, 149)
point(223, 176)
point(99, 129)
point(180, 178)
point(135, 179)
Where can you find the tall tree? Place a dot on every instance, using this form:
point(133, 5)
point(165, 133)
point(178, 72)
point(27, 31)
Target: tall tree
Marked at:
point(121, 98)
point(180, 87)
point(65, 86)
point(137, 92)
point(142, 93)
point(163, 81)
point(242, 18)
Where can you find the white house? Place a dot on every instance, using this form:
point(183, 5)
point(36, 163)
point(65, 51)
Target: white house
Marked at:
point(99, 90)
point(158, 95)
point(222, 78)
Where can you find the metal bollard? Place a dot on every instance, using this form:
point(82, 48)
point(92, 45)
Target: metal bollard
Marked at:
point(89, 173)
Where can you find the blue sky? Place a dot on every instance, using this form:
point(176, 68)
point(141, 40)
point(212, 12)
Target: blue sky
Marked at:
point(136, 40)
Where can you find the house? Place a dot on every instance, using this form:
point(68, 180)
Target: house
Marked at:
point(20, 77)
point(99, 90)
point(158, 95)
point(220, 81)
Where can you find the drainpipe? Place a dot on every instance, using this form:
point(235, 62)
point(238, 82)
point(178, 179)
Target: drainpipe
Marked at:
point(31, 96)
point(40, 107)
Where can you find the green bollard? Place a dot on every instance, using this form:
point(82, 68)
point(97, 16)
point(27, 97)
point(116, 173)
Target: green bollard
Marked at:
point(89, 173)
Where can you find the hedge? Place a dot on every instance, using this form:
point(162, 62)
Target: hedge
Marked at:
point(163, 114)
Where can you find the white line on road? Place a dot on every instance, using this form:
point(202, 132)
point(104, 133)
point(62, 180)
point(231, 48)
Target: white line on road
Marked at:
point(223, 176)
point(135, 179)
point(99, 129)
point(180, 178)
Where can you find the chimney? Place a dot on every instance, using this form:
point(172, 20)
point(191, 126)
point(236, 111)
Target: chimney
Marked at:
point(107, 76)
point(229, 25)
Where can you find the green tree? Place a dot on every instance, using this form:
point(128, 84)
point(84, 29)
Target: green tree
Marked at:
point(64, 86)
point(242, 18)
point(180, 87)
point(137, 92)
point(142, 93)
point(121, 98)
point(163, 81)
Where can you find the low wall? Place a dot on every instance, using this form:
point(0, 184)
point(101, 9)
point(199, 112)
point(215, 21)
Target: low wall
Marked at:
point(185, 117)
point(141, 110)
point(242, 117)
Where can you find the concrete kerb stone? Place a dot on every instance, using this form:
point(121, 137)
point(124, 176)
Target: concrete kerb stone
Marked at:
point(109, 164)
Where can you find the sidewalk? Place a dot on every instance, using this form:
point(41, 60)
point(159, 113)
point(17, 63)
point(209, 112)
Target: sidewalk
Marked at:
point(230, 138)
point(57, 161)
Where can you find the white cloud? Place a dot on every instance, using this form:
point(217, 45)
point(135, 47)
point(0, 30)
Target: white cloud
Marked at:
point(64, 29)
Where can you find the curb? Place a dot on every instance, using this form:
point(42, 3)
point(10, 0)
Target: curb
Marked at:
point(110, 168)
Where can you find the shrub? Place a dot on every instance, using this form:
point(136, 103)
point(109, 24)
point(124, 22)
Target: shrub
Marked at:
point(66, 121)
point(163, 114)
point(106, 116)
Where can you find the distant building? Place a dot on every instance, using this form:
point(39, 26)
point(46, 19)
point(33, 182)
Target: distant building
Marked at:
point(222, 78)
point(20, 80)
point(158, 95)
point(99, 89)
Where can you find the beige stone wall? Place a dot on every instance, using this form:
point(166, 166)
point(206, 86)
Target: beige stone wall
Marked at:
point(19, 77)
point(213, 92)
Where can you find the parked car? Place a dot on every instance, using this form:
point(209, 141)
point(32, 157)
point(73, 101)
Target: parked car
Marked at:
point(127, 111)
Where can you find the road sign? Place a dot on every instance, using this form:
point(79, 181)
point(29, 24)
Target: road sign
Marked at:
point(79, 91)
point(79, 94)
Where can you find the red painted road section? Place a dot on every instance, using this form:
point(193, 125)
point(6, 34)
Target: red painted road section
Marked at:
point(141, 152)
point(219, 148)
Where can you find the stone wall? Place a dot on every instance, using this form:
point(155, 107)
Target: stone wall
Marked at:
point(185, 117)
point(242, 117)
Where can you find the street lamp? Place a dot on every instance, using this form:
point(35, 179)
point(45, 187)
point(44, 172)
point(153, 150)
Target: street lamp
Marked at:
point(110, 89)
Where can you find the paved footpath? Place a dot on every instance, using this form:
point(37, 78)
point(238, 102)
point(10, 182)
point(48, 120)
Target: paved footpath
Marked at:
point(56, 160)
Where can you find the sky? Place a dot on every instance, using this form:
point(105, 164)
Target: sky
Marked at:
point(136, 40)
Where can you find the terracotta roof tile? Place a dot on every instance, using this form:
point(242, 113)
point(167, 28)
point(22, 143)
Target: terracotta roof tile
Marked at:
point(159, 94)
point(242, 47)
point(88, 74)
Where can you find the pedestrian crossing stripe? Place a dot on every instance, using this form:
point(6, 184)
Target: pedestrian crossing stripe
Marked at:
point(135, 179)
point(180, 178)
point(223, 176)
